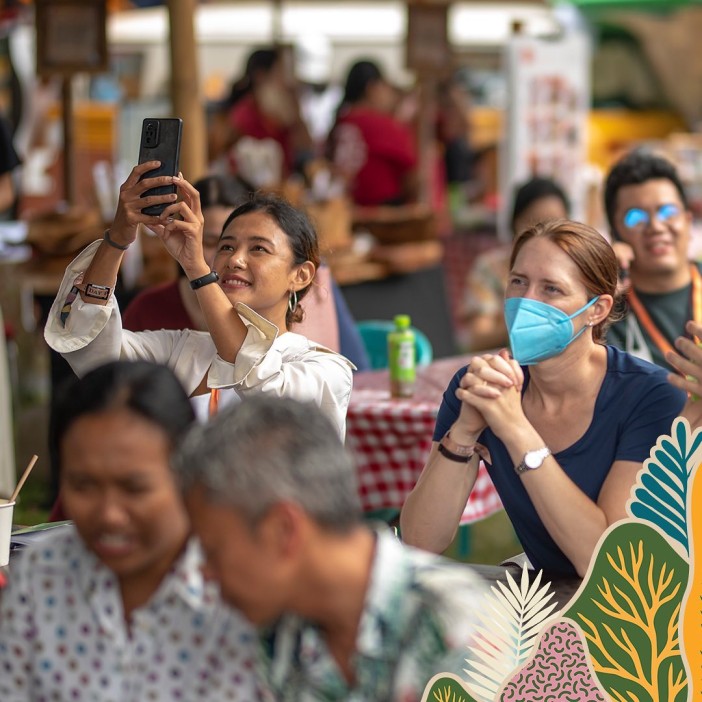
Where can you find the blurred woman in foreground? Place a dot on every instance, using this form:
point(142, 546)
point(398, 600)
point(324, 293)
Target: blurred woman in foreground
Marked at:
point(115, 607)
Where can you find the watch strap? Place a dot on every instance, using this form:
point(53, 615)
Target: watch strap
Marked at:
point(457, 452)
point(99, 292)
point(203, 280)
point(457, 457)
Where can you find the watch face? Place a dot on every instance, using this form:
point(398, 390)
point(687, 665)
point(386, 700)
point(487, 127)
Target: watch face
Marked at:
point(534, 459)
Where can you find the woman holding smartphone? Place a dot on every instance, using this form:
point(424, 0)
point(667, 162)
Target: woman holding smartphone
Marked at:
point(264, 264)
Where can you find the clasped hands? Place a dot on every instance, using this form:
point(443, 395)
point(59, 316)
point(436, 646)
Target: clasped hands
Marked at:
point(491, 394)
point(180, 225)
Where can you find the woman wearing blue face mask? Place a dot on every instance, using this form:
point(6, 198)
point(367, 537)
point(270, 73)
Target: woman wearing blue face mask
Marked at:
point(564, 426)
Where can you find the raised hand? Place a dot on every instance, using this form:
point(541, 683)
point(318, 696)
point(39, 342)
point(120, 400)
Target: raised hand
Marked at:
point(180, 229)
point(689, 362)
point(129, 216)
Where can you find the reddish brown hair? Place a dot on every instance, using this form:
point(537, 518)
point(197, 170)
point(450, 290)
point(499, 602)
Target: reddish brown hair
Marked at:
point(589, 251)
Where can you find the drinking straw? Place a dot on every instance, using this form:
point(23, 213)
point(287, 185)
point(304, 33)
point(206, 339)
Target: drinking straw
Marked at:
point(24, 477)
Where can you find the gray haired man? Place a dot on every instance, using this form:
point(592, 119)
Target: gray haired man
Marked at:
point(345, 612)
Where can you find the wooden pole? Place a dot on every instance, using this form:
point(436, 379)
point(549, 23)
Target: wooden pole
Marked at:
point(185, 89)
point(69, 192)
point(277, 23)
point(427, 137)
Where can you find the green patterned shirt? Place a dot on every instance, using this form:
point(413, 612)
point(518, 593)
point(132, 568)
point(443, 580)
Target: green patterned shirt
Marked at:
point(418, 619)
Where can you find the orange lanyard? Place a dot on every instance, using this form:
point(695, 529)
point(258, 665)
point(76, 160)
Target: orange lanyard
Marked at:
point(214, 401)
point(645, 319)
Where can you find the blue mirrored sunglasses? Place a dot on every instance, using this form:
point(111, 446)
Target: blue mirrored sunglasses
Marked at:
point(636, 217)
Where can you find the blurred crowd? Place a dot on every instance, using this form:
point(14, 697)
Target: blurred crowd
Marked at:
point(217, 548)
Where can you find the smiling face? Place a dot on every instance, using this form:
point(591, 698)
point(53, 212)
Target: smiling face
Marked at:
point(117, 487)
point(661, 243)
point(254, 262)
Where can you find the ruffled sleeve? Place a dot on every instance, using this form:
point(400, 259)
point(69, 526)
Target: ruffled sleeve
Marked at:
point(72, 323)
point(286, 365)
point(89, 335)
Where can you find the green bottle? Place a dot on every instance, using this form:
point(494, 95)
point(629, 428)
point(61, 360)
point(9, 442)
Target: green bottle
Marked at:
point(402, 358)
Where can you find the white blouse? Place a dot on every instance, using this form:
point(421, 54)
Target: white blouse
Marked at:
point(63, 635)
point(282, 364)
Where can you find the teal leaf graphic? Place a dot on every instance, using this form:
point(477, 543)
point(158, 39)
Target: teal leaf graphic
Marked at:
point(660, 493)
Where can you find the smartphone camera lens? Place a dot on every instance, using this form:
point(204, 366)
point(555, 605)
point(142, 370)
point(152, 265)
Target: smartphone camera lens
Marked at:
point(151, 134)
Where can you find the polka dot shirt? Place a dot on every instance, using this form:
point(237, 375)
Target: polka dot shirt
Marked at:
point(63, 635)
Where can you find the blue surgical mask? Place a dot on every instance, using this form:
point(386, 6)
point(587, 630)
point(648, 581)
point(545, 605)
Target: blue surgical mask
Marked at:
point(538, 331)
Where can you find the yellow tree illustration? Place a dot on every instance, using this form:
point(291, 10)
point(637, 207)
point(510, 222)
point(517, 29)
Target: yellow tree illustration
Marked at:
point(629, 613)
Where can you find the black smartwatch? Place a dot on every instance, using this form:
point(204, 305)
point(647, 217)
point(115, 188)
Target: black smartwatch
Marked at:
point(203, 280)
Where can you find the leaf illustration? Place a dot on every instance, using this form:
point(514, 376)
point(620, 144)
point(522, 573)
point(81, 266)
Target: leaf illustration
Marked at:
point(510, 622)
point(446, 687)
point(629, 609)
point(660, 493)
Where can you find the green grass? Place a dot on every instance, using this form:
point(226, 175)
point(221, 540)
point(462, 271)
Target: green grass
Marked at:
point(31, 507)
point(489, 541)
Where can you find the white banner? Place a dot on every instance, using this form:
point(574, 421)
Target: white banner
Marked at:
point(548, 88)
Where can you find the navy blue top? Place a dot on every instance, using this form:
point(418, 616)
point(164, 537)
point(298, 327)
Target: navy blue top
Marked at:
point(635, 406)
point(350, 341)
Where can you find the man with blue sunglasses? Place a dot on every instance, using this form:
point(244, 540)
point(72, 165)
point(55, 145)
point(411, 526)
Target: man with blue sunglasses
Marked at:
point(648, 210)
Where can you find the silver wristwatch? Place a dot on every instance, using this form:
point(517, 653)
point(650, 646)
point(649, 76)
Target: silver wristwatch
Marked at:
point(532, 460)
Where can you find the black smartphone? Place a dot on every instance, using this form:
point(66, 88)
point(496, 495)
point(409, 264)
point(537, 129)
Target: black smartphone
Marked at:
point(160, 141)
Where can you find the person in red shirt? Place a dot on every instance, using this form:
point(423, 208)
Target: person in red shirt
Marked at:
point(372, 150)
point(263, 105)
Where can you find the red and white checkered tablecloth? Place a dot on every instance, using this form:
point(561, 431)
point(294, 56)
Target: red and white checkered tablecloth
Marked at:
point(391, 439)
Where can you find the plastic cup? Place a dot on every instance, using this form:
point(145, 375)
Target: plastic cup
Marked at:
point(6, 510)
